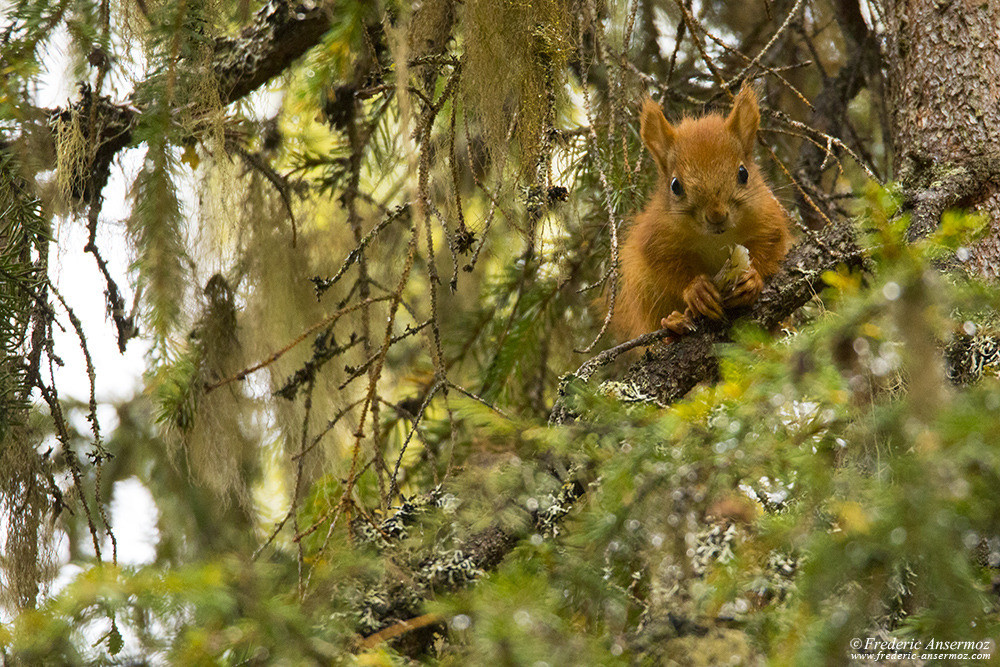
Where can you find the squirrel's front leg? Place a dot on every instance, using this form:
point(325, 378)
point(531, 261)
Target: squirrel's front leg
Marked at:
point(678, 322)
point(746, 290)
point(702, 298)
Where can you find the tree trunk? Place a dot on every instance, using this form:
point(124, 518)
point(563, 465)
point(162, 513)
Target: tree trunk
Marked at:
point(944, 87)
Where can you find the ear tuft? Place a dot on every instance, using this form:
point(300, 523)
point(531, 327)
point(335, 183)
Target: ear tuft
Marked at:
point(744, 119)
point(657, 134)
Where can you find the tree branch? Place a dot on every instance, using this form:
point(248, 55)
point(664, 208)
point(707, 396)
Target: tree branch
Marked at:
point(930, 188)
point(863, 67)
point(279, 33)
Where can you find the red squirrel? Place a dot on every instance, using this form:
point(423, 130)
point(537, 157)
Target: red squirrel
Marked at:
point(709, 198)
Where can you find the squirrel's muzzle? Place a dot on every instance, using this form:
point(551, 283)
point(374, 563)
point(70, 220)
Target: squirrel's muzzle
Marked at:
point(716, 220)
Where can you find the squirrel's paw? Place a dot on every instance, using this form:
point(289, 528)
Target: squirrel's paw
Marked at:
point(678, 322)
point(746, 290)
point(702, 298)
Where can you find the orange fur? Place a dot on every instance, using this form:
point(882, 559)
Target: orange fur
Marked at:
point(677, 239)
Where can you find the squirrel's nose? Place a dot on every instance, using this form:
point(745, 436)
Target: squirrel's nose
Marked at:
point(715, 220)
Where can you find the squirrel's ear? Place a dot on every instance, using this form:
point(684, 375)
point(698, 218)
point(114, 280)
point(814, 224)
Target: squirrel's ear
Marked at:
point(657, 134)
point(744, 119)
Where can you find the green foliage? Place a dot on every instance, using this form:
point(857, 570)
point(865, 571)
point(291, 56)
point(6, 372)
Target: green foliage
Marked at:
point(24, 234)
point(524, 616)
point(520, 300)
point(337, 426)
point(221, 612)
point(875, 502)
point(178, 386)
point(28, 27)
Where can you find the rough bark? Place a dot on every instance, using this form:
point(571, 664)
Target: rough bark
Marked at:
point(944, 86)
point(444, 567)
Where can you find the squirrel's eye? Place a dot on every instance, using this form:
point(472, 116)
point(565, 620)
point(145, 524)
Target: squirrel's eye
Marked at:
point(676, 187)
point(742, 175)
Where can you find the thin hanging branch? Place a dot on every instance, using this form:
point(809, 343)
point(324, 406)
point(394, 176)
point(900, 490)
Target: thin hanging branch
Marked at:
point(277, 354)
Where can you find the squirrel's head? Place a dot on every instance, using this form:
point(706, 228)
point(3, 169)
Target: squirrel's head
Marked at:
point(706, 164)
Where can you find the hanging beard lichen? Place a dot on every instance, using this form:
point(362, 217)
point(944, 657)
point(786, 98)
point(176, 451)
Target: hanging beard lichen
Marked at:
point(206, 419)
point(28, 558)
point(281, 301)
point(156, 227)
point(515, 54)
point(73, 155)
point(430, 27)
